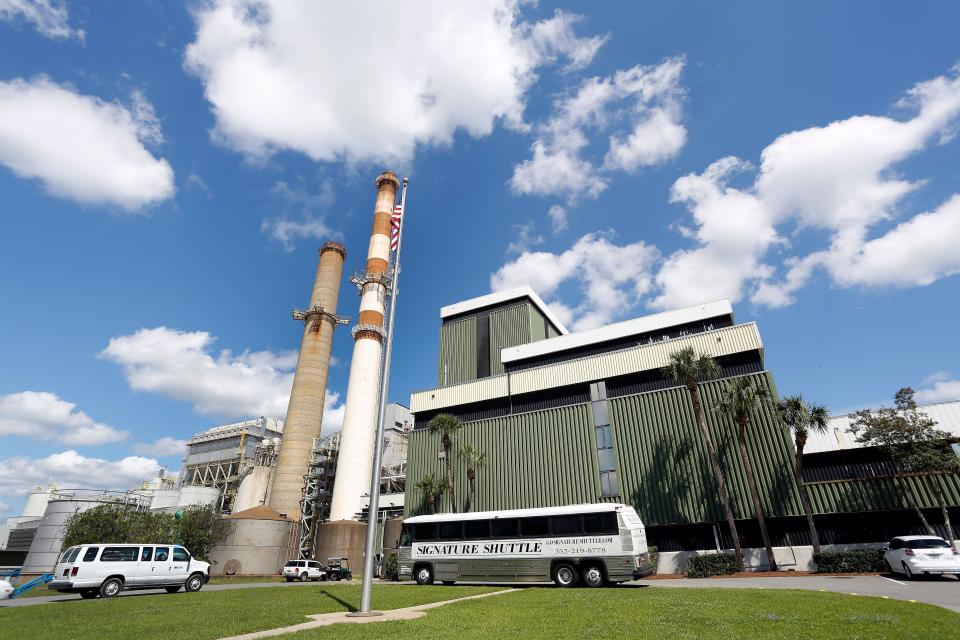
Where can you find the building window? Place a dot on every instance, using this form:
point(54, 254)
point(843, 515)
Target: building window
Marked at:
point(606, 457)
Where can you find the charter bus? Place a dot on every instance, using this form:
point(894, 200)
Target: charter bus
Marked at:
point(590, 544)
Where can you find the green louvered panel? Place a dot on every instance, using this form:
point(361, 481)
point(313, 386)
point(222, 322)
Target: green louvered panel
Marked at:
point(663, 465)
point(551, 332)
point(458, 352)
point(881, 494)
point(508, 328)
point(538, 324)
point(539, 459)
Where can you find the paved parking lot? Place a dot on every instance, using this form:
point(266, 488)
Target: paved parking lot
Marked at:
point(942, 591)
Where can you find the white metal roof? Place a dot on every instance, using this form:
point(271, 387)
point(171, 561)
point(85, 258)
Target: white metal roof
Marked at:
point(520, 513)
point(838, 436)
point(623, 329)
point(499, 297)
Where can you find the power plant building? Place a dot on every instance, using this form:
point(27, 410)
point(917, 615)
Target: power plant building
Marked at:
point(591, 416)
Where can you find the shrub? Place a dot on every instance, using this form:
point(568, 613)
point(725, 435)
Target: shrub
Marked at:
point(654, 558)
point(391, 570)
point(715, 564)
point(865, 561)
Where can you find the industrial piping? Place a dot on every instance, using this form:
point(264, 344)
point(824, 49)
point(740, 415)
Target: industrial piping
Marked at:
point(305, 412)
point(360, 413)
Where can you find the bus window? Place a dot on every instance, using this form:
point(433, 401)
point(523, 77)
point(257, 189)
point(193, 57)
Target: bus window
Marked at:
point(404, 536)
point(566, 526)
point(451, 530)
point(600, 523)
point(534, 527)
point(424, 532)
point(503, 528)
point(474, 529)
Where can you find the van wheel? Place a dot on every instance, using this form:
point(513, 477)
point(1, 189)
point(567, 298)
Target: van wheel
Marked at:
point(304, 577)
point(89, 594)
point(172, 589)
point(194, 583)
point(592, 576)
point(564, 575)
point(111, 587)
point(424, 575)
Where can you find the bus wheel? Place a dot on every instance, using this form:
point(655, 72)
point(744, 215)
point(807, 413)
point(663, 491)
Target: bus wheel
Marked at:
point(424, 575)
point(592, 576)
point(564, 575)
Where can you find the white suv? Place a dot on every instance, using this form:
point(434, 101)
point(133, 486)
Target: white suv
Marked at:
point(304, 570)
point(107, 569)
point(915, 555)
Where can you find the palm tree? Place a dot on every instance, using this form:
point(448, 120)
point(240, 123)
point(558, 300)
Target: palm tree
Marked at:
point(738, 400)
point(688, 368)
point(446, 425)
point(801, 418)
point(431, 488)
point(474, 460)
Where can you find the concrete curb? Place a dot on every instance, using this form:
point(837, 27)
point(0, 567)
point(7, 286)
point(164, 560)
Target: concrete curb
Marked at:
point(340, 617)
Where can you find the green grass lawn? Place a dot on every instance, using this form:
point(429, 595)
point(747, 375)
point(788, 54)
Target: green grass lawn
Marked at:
point(640, 613)
point(205, 615)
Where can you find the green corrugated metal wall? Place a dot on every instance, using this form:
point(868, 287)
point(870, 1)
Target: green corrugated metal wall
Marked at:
point(881, 494)
point(551, 332)
point(549, 458)
point(538, 324)
point(458, 351)
point(508, 328)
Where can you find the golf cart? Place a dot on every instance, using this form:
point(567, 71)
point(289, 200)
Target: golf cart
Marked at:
point(339, 569)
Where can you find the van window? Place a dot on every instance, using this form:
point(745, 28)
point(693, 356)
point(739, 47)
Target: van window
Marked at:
point(451, 530)
point(66, 554)
point(600, 523)
point(292, 563)
point(566, 525)
point(91, 554)
point(73, 554)
point(313, 565)
point(162, 555)
point(147, 553)
point(180, 554)
point(119, 554)
point(534, 527)
point(476, 529)
point(504, 528)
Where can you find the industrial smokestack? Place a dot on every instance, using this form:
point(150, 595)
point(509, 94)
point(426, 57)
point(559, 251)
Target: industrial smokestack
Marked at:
point(360, 414)
point(305, 411)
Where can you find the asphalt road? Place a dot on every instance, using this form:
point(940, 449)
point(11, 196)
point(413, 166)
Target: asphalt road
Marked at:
point(941, 591)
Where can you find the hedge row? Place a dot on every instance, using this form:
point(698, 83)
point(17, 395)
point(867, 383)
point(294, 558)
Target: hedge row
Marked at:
point(865, 561)
point(717, 564)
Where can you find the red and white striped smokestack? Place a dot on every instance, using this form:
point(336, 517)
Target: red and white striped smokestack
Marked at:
point(360, 414)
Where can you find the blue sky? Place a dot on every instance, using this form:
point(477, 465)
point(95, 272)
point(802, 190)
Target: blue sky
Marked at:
point(167, 173)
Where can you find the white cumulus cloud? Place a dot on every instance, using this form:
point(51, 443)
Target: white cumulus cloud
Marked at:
point(183, 366)
point(942, 387)
point(838, 179)
point(51, 18)
point(161, 447)
point(81, 147)
point(640, 106)
point(611, 279)
point(45, 416)
point(369, 81)
point(72, 470)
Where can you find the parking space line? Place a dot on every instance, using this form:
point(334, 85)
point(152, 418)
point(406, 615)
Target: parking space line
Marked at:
point(902, 584)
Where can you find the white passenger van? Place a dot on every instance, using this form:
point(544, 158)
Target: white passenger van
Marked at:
point(595, 544)
point(107, 569)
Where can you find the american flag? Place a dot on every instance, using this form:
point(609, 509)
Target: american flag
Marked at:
point(395, 220)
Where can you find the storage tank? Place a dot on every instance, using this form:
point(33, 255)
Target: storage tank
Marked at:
point(48, 540)
point(37, 502)
point(198, 496)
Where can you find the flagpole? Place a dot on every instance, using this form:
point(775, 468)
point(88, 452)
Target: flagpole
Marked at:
point(366, 587)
